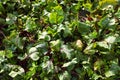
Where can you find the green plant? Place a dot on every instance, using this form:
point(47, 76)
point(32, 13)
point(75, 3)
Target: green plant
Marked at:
point(59, 39)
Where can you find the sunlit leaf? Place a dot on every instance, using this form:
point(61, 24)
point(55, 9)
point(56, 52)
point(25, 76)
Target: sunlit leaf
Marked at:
point(2, 56)
point(104, 3)
point(44, 36)
point(109, 73)
point(59, 10)
point(48, 66)
point(88, 6)
point(110, 39)
point(68, 52)
point(15, 73)
point(74, 61)
point(56, 16)
point(96, 76)
point(2, 53)
point(32, 50)
point(32, 71)
point(98, 64)
point(65, 76)
point(35, 56)
point(53, 17)
point(41, 45)
point(9, 54)
point(90, 49)
point(103, 46)
point(93, 34)
point(56, 45)
point(79, 44)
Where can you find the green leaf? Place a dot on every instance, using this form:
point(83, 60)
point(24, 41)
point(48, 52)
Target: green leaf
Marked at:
point(9, 54)
point(112, 22)
point(110, 39)
point(53, 17)
point(34, 56)
point(60, 18)
point(68, 52)
point(66, 30)
point(83, 28)
point(51, 42)
point(117, 39)
point(74, 61)
point(19, 42)
point(104, 22)
point(108, 23)
point(90, 49)
point(75, 7)
point(59, 10)
point(115, 66)
point(44, 35)
point(11, 18)
point(98, 64)
point(2, 21)
point(60, 15)
point(2, 53)
point(117, 14)
point(2, 56)
point(56, 16)
point(103, 46)
point(14, 41)
point(109, 73)
point(31, 72)
point(30, 24)
point(94, 34)
point(13, 74)
point(42, 45)
point(19, 71)
point(87, 6)
point(48, 66)
point(1, 8)
point(32, 50)
point(96, 76)
point(105, 3)
point(65, 76)
point(56, 45)
point(60, 28)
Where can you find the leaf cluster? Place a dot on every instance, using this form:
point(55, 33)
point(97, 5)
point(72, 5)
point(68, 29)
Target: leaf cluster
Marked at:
point(59, 40)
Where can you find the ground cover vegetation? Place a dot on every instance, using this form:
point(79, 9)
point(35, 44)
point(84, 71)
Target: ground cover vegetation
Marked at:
point(59, 39)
